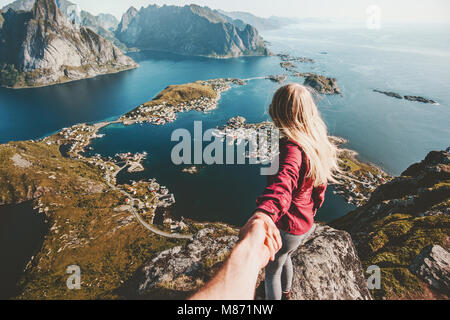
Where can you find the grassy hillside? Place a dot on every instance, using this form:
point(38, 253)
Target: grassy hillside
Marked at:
point(403, 217)
point(177, 94)
point(87, 224)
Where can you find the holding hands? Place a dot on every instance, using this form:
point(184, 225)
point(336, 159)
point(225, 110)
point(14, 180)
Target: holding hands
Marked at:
point(260, 240)
point(261, 234)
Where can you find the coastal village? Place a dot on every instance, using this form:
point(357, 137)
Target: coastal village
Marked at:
point(257, 136)
point(201, 96)
point(143, 197)
point(356, 183)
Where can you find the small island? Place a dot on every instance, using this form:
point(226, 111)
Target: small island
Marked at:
point(277, 78)
point(320, 83)
point(409, 97)
point(289, 66)
point(289, 58)
point(288, 61)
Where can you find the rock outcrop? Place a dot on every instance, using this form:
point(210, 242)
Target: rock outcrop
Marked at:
point(326, 267)
point(409, 98)
point(390, 94)
point(421, 99)
point(401, 218)
point(432, 265)
point(42, 47)
point(322, 84)
point(188, 30)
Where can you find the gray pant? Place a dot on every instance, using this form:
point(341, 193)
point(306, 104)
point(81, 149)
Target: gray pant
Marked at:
point(280, 273)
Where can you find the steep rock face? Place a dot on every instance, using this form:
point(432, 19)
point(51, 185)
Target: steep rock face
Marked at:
point(107, 21)
point(42, 47)
point(71, 10)
point(104, 25)
point(402, 218)
point(257, 22)
point(433, 266)
point(326, 267)
point(25, 5)
point(126, 19)
point(189, 30)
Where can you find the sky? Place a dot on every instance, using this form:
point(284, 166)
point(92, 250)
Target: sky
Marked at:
point(354, 10)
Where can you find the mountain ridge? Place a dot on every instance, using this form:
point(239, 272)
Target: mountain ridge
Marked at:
point(402, 218)
point(192, 30)
point(42, 47)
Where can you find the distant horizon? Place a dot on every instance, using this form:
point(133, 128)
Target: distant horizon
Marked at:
point(400, 11)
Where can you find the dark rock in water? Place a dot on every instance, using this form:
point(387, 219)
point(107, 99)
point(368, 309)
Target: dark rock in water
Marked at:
point(400, 219)
point(420, 99)
point(432, 265)
point(409, 98)
point(322, 84)
point(326, 266)
point(288, 58)
point(390, 94)
point(278, 78)
point(289, 66)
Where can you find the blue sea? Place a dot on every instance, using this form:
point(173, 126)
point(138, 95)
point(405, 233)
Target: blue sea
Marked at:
point(410, 60)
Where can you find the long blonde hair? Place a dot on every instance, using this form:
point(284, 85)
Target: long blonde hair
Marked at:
point(296, 115)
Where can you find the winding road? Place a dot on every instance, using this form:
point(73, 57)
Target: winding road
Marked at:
point(139, 218)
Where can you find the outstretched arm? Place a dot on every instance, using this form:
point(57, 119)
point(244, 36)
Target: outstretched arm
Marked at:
point(260, 241)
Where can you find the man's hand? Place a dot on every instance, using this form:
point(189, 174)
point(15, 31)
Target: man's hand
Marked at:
point(262, 234)
point(259, 242)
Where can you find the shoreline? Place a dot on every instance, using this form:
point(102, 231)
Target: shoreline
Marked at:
point(69, 81)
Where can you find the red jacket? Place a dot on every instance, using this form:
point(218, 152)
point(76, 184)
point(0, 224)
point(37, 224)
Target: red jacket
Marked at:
point(291, 199)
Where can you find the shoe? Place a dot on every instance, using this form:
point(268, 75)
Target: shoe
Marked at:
point(286, 296)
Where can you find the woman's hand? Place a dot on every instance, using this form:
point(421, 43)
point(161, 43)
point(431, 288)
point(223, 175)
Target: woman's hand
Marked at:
point(261, 233)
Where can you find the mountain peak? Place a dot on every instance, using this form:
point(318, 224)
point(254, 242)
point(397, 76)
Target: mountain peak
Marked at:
point(188, 30)
point(47, 10)
point(41, 47)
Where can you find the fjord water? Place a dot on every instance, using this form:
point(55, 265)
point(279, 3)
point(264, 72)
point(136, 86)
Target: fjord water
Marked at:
point(389, 132)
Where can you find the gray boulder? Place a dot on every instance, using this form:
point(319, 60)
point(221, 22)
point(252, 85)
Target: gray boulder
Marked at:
point(326, 267)
point(432, 265)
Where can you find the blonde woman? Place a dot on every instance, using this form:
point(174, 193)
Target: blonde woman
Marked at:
point(308, 161)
